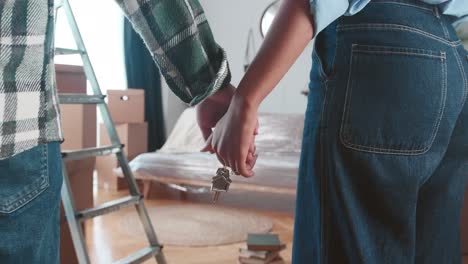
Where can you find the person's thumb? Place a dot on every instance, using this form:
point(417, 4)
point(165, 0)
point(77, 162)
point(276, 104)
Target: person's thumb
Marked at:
point(208, 147)
point(206, 132)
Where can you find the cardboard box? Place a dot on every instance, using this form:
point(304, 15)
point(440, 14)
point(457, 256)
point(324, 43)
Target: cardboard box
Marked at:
point(79, 126)
point(78, 121)
point(127, 106)
point(135, 138)
point(70, 78)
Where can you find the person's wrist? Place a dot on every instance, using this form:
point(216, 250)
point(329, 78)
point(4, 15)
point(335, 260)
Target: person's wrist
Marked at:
point(223, 95)
point(248, 102)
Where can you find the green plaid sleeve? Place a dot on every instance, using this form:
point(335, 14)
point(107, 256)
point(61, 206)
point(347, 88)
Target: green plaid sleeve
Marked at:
point(181, 42)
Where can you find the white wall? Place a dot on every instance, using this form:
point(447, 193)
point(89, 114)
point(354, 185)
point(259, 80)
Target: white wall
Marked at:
point(172, 107)
point(231, 22)
point(101, 26)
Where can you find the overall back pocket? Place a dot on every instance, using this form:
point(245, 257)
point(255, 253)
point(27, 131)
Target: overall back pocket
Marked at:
point(395, 99)
point(22, 178)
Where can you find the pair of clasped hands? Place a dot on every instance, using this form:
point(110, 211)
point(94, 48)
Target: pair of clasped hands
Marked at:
point(233, 112)
point(229, 125)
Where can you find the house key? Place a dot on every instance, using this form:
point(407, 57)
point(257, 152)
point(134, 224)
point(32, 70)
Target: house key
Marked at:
point(220, 183)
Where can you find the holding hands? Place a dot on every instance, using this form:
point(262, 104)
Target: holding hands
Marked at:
point(233, 138)
point(236, 126)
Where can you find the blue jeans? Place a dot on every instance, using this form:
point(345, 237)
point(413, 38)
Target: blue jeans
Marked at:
point(385, 150)
point(30, 184)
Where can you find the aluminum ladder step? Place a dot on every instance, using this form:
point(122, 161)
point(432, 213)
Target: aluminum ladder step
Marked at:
point(81, 99)
point(91, 152)
point(64, 51)
point(140, 256)
point(108, 207)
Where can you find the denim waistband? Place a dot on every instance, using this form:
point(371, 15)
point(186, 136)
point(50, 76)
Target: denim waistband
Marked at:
point(415, 20)
point(437, 11)
point(415, 3)
point(411, 15)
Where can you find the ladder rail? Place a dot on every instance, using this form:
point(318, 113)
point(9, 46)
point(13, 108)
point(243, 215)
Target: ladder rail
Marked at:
point(141, 209)
point(74, 226)
point(89, 72)
point(121, 157)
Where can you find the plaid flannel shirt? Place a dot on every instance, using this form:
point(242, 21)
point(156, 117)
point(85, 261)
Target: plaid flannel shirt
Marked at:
point(175, 31)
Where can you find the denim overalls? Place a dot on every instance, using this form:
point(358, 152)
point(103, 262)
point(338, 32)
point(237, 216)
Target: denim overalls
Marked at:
point(385, 149)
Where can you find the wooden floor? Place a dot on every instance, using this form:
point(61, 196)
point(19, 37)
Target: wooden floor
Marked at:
point(107, 244)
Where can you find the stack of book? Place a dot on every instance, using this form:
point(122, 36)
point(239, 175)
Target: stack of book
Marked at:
point(262, 249)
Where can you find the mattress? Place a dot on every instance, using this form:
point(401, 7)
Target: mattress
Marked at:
point(181, 162)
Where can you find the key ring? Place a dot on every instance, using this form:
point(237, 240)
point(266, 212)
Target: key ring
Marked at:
point(235, 172)
point(227, 168)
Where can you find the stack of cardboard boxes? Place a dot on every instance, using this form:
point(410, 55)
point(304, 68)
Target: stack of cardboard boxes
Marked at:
point(127, 108)
point(79, 128)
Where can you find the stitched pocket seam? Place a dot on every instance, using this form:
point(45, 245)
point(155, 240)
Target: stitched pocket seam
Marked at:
point(40, 185)
point(378, 26)
point(380, 150)
point(401, 3)
point(398, 51)
point(463, 75)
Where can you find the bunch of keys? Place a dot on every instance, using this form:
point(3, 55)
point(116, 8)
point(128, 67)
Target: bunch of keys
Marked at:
point(220, 182)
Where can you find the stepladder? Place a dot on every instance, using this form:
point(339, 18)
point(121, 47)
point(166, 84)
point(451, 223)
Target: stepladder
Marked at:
point(135, 198)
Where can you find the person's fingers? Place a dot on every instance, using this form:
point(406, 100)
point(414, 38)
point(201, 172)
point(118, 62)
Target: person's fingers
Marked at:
point(251, 161)
point(221, 153)
point(236, 168)
point(242, 167)
point(244, 170)
point(252, 147)
point(221, 159)
point(246, 142)
point(208, 146)
point(232, 164)
point(206, 132)
point(256, 128)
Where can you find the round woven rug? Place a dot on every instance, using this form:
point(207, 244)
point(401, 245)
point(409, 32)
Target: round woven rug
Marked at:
point(198, 225)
